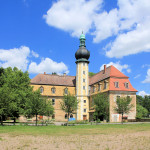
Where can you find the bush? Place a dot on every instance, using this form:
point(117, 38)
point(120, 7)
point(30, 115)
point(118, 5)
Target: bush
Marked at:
point(141, 111)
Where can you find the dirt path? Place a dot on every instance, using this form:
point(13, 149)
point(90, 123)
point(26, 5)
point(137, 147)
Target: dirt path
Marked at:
point(129, 141)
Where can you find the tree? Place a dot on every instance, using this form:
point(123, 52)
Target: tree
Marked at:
point(101, 105)
point(91, 74)
point(146, 103)
point(123, 105)
point(141, 111)
point(36, 105)
point(69, 104)
point(18, 88)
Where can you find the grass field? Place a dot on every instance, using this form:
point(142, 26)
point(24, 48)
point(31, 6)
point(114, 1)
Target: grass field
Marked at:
point(85, 137)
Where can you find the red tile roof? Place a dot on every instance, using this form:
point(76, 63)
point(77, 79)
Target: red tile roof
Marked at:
point(54, 80)
point(121, 85)
point(111, 71)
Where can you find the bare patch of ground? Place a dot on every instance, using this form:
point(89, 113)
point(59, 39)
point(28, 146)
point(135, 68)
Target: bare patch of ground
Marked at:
point(114, 141)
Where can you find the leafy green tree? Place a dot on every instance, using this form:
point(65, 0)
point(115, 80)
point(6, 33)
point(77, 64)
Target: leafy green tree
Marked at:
point(139, 100)
point(141, 111)
point(35, 106)
point(101, 105)
point(146, 103)
point(123, 105)
point(69, 104)
point(91, 74)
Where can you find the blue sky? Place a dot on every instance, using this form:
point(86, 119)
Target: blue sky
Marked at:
point(43, 35)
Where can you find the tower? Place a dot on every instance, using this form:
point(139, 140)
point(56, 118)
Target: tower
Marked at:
point(82, 80)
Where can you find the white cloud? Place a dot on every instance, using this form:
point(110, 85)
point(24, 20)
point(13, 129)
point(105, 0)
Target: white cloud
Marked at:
point(129, 23)
point(48, 65)
point(73, 15)
point(16, 57)
point(143, 93)
point(118, 66)
point(137, 76)
point(147, 80)
point(34, 54)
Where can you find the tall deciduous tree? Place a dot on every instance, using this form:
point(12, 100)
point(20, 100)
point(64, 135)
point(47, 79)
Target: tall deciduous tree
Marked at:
point(141, 111)
point(49, 111)
point(123, 105)
point(69, 104)
point(14, 91)
point(35, 105)
point(101, 105)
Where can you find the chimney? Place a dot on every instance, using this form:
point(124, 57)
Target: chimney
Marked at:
point(44, 72)
point(64, 74)
point(104, 69)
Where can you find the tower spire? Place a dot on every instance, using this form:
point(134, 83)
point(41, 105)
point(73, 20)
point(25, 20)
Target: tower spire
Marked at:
point(82, 40)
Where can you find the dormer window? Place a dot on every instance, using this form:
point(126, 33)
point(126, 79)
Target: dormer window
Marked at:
point(116, 84)
point(126, 85)
point(66, 91)
point(41, 89)
point(53, 90)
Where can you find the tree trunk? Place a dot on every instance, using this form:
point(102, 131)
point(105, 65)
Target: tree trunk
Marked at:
point(36, 119)
point(122, 118)
point(1, 121)
point(68, 119)
point(14, 120)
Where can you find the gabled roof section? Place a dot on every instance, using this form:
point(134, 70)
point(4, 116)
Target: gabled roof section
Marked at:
point(110, 71)
point(48, 79)
point(121, 83)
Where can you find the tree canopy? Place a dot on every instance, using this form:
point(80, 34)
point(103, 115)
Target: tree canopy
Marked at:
point(123, 105)
point(101, 105)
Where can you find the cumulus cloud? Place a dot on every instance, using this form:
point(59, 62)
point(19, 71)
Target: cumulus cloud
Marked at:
point(143, 93)
point(48, 65)
point(72, 15)
point(118, 66)
point(147, 80)
point(16, 57)
point(129, 23)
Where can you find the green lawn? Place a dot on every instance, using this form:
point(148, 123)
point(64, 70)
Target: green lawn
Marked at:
point(70, 130)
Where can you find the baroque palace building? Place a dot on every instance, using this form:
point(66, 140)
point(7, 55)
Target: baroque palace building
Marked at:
point(109, 80)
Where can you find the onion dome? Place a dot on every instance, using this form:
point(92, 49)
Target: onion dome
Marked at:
point(82, 54)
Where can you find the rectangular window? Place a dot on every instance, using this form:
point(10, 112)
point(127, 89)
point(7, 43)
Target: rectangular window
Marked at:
point(94, 89)
point(83, 64)
point(117, 84)
point(83, 80)
point(84, 110)
point(83, 87)
point(83, 72)
point(84, 101)
point(99, 87)
point(53, 101)
point(127, 85)
point(105, 85)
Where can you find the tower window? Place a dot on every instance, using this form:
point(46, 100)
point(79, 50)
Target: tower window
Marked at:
point(117, 84)
point(83, 80)
point(83, 87)
point(41, 89)
point(84, 101)
point(83, 64)
point(53, 90)
point(83, 72)
point(53, 101)
point(84, 110)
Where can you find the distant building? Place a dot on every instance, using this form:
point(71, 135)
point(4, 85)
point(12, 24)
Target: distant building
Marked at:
point(110, 80)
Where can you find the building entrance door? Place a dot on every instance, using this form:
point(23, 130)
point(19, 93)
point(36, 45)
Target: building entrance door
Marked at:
point(84, 117)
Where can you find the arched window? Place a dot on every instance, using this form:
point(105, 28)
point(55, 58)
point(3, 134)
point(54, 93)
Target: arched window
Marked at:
point(53, 90)
point(66, 90)
point(71, 116)
point(41, 89)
